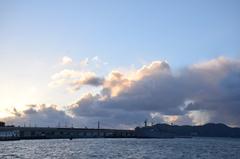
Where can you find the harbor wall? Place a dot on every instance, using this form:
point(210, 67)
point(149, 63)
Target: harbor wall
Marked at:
point(61, 133)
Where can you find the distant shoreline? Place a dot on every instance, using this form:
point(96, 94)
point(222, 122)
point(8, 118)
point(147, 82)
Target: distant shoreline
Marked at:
point(154, 131)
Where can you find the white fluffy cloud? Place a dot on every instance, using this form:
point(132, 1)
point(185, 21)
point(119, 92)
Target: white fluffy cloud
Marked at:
point(66, 60)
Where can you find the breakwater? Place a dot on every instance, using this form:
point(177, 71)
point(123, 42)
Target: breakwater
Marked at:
point(18, 133)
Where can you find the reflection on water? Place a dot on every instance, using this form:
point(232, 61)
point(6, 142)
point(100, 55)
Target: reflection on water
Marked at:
point(203, 148)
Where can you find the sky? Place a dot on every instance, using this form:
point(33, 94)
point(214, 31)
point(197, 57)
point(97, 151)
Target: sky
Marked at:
point(120, 62)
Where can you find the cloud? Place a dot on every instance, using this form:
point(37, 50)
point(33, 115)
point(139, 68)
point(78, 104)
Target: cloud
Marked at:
point(217, 85)
point(88, 79)
point(84, 62)
point(75, 79)
point(66, 60)
point(213, 87)
point(155, 67)
point(16, 113)
point(200, 93)
point(98, 62)
point(40, 115)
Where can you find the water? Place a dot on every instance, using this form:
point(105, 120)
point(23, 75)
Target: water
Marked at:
point(201, 148)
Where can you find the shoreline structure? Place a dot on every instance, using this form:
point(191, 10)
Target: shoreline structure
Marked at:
point(154, 131)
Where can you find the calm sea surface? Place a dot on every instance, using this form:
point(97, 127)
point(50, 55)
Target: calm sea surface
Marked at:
point(203, 148)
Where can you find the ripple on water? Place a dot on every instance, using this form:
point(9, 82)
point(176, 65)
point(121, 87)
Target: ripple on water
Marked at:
point(195, 148)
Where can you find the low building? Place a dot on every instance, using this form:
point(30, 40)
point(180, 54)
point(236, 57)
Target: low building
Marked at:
point(9, 133)
point(2, 124)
